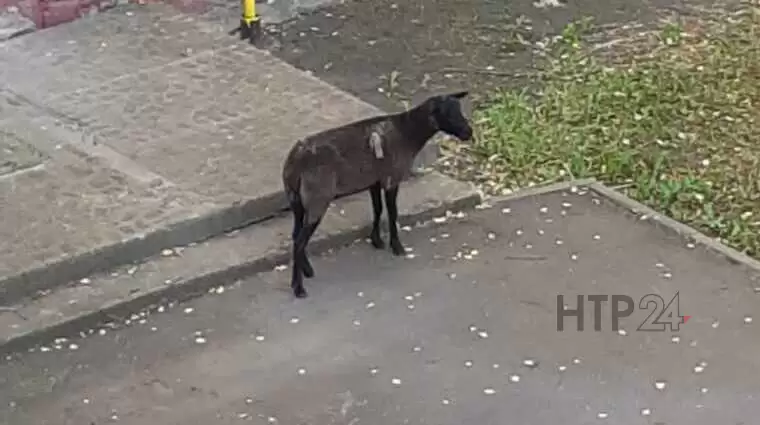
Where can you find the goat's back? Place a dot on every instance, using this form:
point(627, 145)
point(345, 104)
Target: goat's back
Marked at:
point(341, 157)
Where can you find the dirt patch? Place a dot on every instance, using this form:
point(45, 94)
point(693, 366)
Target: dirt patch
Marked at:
point(386, 52)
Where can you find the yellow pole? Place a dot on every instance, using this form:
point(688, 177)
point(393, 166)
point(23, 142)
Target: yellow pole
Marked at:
point(250, 24)
point(249, 12)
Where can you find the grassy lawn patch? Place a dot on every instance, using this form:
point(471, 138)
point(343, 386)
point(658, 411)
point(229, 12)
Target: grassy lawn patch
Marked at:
point(672, 117)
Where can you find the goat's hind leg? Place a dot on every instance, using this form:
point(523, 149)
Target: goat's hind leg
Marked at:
point(299, 214)
point(300, 260)
point(377, 210)
point(391, 195)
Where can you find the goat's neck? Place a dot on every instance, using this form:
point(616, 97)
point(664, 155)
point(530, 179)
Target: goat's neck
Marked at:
point(418, 126)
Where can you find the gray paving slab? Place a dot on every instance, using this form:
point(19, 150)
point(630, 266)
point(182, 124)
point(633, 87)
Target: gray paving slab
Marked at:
point(64, 213)
point(440, 337)
point(159, 129)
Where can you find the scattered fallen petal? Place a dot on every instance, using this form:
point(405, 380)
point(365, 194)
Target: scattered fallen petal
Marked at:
point(660, 385)
point(189, 310)
point(396, 381)
point(602, 415)
point(646, 412)
point(514, 378)
point(489, 391)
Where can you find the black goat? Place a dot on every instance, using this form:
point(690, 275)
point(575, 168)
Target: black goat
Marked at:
point(373, 154)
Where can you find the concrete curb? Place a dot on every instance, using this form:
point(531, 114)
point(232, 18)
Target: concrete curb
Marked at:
point(195, 229)
point(197, 285)
point(679, 228)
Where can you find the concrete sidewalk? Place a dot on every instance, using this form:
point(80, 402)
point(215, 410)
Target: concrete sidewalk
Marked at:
point(137, 130)
point(462, 331)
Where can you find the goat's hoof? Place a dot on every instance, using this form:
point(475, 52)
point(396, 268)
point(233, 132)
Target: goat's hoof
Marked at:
point(397, 248)
point(300, 292)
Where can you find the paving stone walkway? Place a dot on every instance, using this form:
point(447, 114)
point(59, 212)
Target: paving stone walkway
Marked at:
point(141, 129)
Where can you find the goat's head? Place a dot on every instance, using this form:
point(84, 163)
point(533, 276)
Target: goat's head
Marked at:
point(447, 114)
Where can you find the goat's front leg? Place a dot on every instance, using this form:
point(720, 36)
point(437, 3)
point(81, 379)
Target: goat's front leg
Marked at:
point(390, 201)
point(377, 210)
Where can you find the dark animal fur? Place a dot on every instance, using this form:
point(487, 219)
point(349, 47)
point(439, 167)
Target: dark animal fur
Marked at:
point(343, 161)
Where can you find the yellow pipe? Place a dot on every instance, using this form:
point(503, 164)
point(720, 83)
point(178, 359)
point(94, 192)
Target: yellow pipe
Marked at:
point(249, 11)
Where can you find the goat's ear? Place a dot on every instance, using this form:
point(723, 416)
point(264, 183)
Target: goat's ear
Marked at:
point(461, 94)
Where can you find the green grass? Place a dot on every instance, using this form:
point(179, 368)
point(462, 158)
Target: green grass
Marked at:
point(678, 127)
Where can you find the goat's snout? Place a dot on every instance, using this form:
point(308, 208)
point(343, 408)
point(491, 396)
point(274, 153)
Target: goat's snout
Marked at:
point(466, 134)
